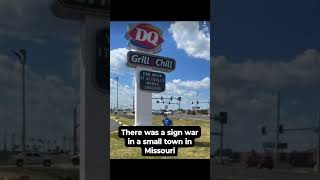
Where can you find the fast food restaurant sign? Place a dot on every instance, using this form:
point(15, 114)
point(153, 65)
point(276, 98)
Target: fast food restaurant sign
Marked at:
point(154, 62)
point(144, 37)
point(152, 81)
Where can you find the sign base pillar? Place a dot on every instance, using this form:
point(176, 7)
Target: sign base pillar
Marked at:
point(143, 102)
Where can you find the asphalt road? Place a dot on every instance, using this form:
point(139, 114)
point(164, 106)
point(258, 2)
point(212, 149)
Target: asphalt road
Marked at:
point(191, 117)
point(113, 125)
point(40, 166)
point(243, 173)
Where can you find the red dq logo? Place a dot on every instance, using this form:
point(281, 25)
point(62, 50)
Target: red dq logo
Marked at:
point(144, 37)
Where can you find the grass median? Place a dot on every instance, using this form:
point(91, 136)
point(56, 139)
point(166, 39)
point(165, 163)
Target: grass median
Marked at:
point(201, 150)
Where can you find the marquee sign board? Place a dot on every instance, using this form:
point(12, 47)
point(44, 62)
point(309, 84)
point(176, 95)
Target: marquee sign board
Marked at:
point(157, 63)
point(77, 9)
point(152, 81)
point(102, 59)
point(144, 37)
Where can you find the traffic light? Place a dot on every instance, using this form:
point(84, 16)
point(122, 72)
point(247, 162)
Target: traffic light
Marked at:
point(264, 130)
point(223, 117)
point(162, 102)
point(171, 98)
point(179, 98)
point(157, 101)
point(161, 98)
point(169, 102)
point(197, 102)
point(192, 102)
point(281, 130)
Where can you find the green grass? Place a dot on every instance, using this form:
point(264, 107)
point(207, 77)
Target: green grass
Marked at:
point(14, 173)
point(201, 150)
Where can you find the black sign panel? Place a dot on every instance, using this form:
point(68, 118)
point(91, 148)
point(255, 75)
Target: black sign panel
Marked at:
point(88, 4)
point(77, 9)
point(102, 59)
point(157, 63)
point(152, 81)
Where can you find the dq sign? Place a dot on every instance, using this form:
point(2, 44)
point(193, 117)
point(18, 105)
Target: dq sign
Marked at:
point(144, 37)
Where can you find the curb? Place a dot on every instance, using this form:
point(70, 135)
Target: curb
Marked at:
point(120, 123)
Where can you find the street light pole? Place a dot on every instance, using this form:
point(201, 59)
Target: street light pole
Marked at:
point(75, 126)
point(22, 56)
point(117, 93)
point(318, 145)
point(277, 131)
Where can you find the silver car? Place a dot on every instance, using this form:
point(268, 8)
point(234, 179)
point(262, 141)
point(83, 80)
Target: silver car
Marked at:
point(32, 158)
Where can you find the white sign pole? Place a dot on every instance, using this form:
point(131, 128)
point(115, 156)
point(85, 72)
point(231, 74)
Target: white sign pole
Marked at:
point(94, 127)
point(143, 102)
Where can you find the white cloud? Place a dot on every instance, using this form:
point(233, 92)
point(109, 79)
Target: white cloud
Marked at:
point(192, 39)
point(50, 102)
point(187, 90)
point(302, 70)
point(204, 83)
point(118, 59)
point(125, 94)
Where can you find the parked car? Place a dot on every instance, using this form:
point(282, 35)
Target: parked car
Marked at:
point(75, 159)
point(266, 162)
point(225, 160)
point(155, 112)
point(263, 161)
point(252, 161)
point(32, 158)
point(302, 159)
point(167, 112)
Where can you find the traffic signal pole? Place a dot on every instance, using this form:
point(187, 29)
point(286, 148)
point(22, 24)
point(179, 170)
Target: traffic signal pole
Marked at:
point(221, 144)
point(277, 131)
point(318, 145)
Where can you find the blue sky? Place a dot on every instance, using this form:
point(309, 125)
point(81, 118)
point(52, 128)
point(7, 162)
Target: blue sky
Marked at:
point(189, 67)
point(259, 48)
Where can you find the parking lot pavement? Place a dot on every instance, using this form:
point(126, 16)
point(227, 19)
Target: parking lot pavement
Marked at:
point(113, 125)
point(243, 173)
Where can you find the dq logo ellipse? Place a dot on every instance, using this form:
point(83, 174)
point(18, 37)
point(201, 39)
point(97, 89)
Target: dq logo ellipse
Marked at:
point(144, 37)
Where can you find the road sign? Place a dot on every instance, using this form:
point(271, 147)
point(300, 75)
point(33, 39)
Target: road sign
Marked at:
point(157, 63)
point(76, 9)
point(102, 59)
point(152, 81)
point(144, 37)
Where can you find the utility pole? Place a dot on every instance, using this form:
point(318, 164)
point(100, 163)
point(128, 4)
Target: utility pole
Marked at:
point(5, 141)
point(75, 149)
point(133, 103)
point(277, 131)
point(117, 78)
point(22, 56)
point(13, 141)
point(197, 101)
point(318, 145)
point(221, 143)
